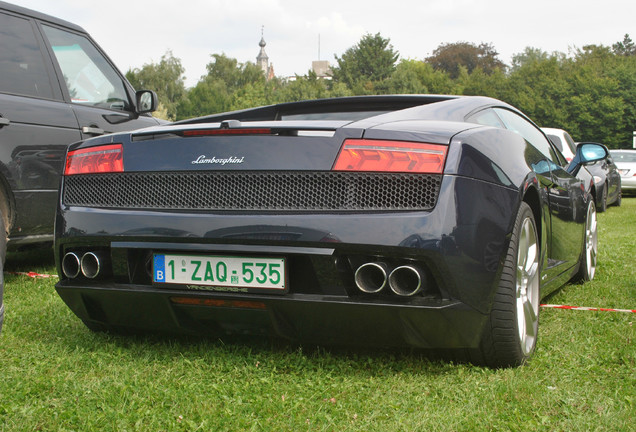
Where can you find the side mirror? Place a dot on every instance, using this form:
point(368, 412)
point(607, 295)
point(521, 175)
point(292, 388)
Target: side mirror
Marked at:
point(146, 101)
point(586, 153)
point(591, 152)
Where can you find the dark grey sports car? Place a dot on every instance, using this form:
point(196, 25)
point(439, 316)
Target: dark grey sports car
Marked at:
point(435, 222)
point(607, 181)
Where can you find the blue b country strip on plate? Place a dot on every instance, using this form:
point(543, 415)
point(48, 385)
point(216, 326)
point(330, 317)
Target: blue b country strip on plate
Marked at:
point(159, 271)
point(221, 271)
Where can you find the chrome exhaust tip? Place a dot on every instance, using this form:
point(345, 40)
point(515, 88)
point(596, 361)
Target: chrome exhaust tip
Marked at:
point(406, 280)
point(371, 277)
point(71, 265)
point(92, 264)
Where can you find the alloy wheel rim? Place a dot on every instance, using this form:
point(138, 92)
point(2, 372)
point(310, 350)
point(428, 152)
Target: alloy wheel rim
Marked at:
point(527, 286)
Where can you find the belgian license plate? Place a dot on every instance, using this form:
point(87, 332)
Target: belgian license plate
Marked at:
point(245, 273)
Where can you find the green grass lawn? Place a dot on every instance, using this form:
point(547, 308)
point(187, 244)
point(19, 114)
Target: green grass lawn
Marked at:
point(55, 375)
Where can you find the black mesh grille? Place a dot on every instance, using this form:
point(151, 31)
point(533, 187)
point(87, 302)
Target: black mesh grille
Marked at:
point(256, 191)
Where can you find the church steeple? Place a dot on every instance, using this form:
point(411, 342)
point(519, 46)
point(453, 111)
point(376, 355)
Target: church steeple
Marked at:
point(262, 60)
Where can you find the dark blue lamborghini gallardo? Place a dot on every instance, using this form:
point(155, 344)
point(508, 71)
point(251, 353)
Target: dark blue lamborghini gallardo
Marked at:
point(435, 222)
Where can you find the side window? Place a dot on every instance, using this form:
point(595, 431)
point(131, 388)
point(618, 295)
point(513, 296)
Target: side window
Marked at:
point(570, 142)
point(486, 117)
point(528, 131)
point(556, 141)
point(22, 66)
point(90, 79)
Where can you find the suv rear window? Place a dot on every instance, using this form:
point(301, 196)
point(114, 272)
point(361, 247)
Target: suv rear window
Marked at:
point(22, 66)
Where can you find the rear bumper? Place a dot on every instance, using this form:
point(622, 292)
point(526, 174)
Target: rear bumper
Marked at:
point(628, 183)
point(328, 320)
point(459, 246)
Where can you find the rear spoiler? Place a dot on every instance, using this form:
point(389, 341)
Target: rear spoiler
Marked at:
point(331, 108)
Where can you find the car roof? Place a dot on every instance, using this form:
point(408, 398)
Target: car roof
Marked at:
point(39, 15)
point(553, 131)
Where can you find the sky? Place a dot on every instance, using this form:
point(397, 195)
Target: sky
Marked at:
point(138, 32)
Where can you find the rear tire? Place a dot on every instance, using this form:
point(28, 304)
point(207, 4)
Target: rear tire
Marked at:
point(602, 205)
point(3, 254)
point(510, 336)
point(589, 255)
point(619, 198)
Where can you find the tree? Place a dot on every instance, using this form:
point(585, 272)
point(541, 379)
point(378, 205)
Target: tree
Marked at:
point(165, 78)
point(414, 76)
point(602, 87)
point(625, 48)
point(593, 53)
point(303, 88)
point(249, 96)
point(451, 57)
point(624, 73)
point(538, 88)
point(232, 73)
point(479, 83)
point(529, 55)
point(224, 86)
point(207, 97)
point(365, 66)
point(591, 94)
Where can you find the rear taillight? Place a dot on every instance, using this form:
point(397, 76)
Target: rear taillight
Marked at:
point(391, 156)
point(102, 159)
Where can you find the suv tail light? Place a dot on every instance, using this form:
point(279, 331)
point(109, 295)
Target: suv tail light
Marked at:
point(391, 156)
point(101, 159)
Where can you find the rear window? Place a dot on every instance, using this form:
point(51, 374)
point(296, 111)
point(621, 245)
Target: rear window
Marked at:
point(352, 115)
point(624, 156)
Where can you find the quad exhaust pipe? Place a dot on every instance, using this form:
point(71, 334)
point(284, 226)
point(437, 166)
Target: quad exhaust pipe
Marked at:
point(404, 280)
point(91, 264)
point(71, 265)
point(371, 277)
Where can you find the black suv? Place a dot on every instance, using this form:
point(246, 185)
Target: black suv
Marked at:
point(56, 87)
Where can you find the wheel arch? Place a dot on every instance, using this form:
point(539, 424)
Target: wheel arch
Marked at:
point(593, 192)
point(531, 197)
point(7, 202)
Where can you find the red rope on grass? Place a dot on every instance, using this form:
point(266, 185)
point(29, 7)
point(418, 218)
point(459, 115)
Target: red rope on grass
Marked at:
point(32, 274)
point(588, 308)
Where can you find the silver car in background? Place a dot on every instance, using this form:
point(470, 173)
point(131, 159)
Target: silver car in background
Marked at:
point(625, 161)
